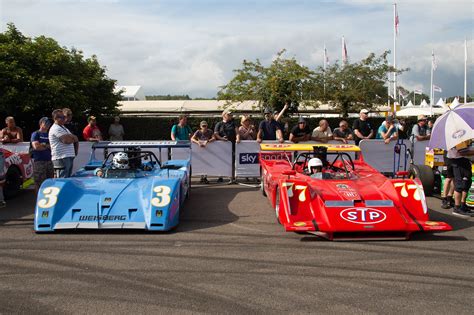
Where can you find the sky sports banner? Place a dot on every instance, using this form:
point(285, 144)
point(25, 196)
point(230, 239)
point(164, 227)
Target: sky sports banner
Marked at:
point(246, 159)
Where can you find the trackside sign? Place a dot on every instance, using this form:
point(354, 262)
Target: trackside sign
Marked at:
point(363, 215)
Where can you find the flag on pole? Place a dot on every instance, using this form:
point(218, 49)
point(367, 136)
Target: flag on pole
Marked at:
point(434, 64)
point(437, 89)
point(326, 58)
point(396, 20)
point(402, 93)
point(344, 50)
point(416, 91)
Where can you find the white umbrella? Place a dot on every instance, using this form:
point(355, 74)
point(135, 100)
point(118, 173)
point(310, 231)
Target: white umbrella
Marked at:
point(454, 127)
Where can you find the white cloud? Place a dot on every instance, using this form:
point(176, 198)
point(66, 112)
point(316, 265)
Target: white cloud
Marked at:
point(170, 48)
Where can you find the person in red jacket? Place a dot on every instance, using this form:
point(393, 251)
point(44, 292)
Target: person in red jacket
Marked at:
point(91, 132)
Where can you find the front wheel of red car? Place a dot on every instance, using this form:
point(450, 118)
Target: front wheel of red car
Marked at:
point(262, 186)
point(277, 205)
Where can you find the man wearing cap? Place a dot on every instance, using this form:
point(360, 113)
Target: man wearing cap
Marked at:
point(62, 145)
point(202, 137)
point(420, 130)
point(387, 130)
point(362, 128)
point(91, 132)
point(269, 128)
point(300, 132)
point(227, 130)
point(41, 153)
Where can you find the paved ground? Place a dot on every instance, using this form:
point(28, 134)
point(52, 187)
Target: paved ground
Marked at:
point(229, 256)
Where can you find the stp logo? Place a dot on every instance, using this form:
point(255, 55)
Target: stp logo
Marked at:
point(363, 215)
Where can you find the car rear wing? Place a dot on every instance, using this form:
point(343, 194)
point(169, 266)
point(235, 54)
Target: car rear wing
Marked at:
point(164, 144)
point(155, 146)
point(308, 147)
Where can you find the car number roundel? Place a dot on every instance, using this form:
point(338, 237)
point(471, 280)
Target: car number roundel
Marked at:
point(363, 215)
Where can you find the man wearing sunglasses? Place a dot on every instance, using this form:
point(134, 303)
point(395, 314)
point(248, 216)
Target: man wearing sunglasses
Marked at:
point(62, 145)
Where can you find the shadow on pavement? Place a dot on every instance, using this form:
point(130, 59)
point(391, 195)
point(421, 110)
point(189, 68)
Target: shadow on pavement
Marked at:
point(20, 208)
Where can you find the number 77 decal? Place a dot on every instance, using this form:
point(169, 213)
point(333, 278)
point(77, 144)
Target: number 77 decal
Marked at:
point(301, 188)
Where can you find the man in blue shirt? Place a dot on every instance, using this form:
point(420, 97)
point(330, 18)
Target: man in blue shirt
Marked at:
point(269, 129)
point(387, 130)
point(181, 131)
point(41, 153)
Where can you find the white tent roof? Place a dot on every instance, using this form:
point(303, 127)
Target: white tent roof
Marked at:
point(424, 104)
point(413, 111)
point(417, 110)
point(441, 102)
point(455, 103)
point(410, 104)
point(130, 91)
point(183, 106)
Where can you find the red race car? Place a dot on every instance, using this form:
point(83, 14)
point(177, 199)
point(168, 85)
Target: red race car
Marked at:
point(16, 169)
point(329, 190)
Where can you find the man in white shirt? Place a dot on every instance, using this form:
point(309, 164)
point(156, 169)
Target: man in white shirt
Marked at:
point(322, 133)
point(62, 145)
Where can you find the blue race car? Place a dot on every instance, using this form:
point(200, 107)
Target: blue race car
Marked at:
point(129, 189)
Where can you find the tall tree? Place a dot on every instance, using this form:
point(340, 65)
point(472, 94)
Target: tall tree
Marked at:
point(354, 86)
point(37, 75)
point(284, 81)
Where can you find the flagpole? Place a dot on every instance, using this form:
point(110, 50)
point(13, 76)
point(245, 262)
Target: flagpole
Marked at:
point(324, 67)
point(465, 70)
point(394, 57)
point(432, 93)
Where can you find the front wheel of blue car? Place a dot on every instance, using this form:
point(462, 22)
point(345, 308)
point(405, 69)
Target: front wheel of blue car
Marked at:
point(188, 192)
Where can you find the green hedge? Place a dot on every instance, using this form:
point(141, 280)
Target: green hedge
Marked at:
point(159, 128)
point(154, 128)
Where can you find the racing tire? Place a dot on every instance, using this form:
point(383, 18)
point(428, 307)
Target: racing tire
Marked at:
point(426, 176)
point(262, 187)
point(13, 182)
point(277, 205)
point(188, 193)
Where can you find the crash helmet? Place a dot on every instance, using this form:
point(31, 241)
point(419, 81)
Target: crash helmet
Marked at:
point(120, 161)
point(313, 164)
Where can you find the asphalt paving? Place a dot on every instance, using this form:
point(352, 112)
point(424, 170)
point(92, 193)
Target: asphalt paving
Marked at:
point(229, 255)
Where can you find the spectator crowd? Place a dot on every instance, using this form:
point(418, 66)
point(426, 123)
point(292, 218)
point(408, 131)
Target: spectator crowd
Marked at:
point(54, 145)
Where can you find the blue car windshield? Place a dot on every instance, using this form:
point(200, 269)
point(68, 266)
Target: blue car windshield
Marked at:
point(117, 173)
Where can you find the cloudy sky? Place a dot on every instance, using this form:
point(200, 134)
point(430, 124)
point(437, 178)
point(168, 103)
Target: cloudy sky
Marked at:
point(192, 46)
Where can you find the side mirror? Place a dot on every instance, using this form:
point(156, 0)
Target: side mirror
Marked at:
point(289, 172)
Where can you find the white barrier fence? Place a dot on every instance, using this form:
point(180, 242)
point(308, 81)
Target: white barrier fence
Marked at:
point(216, 158)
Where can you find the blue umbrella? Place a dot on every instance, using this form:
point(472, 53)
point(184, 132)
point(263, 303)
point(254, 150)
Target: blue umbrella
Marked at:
point(453, 127)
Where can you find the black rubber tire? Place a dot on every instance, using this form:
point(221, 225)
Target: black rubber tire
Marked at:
point(277, 205)
point(13, 182)
point(262, 187)
point(426, 176)
point(188, 193)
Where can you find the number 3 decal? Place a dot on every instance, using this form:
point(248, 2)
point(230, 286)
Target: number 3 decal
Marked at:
point(50, 197)
point(162, 198)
